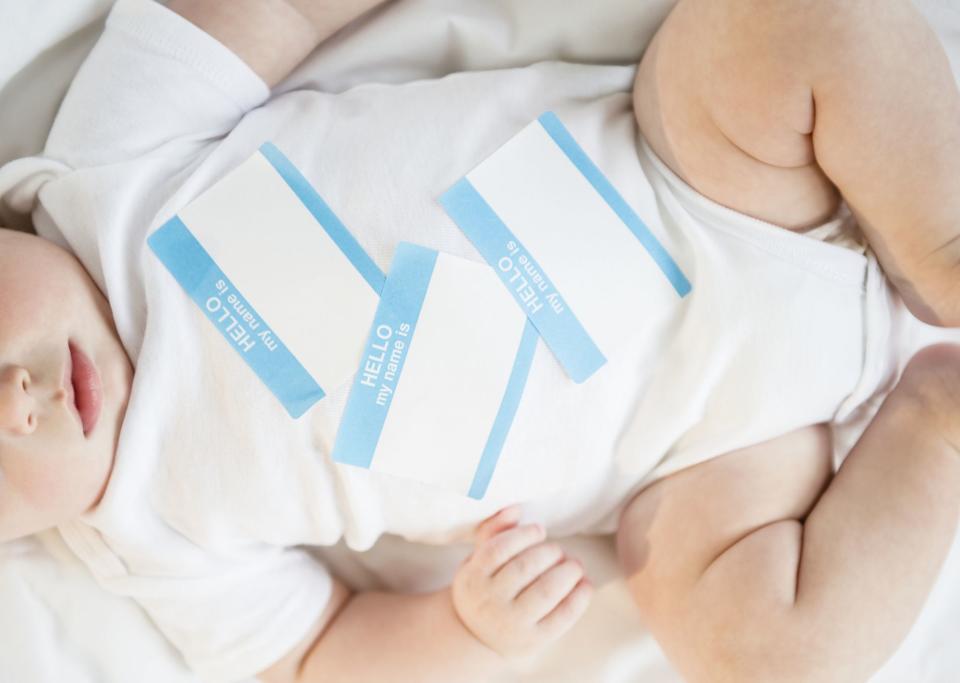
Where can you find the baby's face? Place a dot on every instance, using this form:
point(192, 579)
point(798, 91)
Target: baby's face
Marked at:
point(64, 384)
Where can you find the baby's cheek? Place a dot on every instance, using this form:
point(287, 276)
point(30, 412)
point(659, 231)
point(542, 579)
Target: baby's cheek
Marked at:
point(42, 481)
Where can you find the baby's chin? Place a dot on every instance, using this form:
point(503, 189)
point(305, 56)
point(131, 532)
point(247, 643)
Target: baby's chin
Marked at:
point(113, 365)
point(116, 376)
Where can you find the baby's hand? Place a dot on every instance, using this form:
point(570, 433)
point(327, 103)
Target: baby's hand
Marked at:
point(516, 593)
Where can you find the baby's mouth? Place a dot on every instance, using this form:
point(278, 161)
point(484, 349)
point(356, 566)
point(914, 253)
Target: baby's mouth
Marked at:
point(85, 388)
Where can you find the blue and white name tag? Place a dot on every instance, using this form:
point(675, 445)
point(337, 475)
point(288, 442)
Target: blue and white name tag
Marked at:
point(445, 366)
point(278, 274)
point(570, 250)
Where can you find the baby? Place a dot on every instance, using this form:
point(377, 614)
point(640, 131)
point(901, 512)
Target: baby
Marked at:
point(706, 445)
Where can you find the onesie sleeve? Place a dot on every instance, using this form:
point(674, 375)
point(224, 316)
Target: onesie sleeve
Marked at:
point(153, 80)
point(234, 622)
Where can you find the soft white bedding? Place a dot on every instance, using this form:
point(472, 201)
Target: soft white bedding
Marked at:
point(55, 622)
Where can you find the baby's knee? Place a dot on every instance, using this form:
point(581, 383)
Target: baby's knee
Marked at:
point(931, 385)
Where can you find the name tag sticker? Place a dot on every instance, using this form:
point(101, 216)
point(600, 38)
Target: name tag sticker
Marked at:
point(442, 374)
point(572, 253)
point(278, 274)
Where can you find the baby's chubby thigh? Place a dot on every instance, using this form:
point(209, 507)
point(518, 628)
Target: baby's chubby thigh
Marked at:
point(679, 525)
point(713, 554)
point(712, 504)
point(930, 392)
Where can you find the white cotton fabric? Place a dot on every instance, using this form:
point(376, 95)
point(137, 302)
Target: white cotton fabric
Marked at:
point(215, 487)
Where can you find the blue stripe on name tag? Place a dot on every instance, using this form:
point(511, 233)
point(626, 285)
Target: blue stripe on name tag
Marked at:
point(508, 409)
point(557, 323)
point(206, 284)
point(333, 226)
point(375, 385)
point(556, 130)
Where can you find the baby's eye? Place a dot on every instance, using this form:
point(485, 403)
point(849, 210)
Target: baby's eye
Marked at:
point(31, 420)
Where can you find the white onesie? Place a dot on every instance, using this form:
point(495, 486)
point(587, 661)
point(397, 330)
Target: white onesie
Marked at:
point(215, 486)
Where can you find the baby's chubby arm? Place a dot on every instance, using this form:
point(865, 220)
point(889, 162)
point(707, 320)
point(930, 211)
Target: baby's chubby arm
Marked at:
point(271, 36)
point(515, 594)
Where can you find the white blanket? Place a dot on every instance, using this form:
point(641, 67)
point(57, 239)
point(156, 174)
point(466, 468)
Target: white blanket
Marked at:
point(57, 625)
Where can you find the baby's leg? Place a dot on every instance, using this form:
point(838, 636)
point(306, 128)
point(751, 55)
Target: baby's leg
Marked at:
point(740, 580)
point(770, 106)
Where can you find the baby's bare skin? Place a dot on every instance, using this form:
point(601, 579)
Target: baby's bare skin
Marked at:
point(737, 571)
point(746, 569)
point(756, 566)
point(776, 108)
point(50, 471)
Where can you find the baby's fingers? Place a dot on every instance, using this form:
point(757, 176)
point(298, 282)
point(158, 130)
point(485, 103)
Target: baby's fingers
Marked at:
point(569, 611)
point(525, 568)
point(542, 596)
point(503, 547)
point(493, 525)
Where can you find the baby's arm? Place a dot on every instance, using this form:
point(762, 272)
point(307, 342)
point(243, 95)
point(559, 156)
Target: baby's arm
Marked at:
point(745, 572)
point(271, 36)
point(513, 595)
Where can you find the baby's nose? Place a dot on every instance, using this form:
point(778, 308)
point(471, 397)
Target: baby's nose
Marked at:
point(17, 406)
